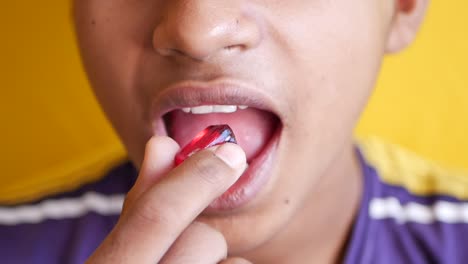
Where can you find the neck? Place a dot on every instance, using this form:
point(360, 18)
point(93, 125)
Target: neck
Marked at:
point(321, 227)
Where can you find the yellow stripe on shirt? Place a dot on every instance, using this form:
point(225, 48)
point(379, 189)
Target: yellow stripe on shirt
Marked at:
point(398, 166)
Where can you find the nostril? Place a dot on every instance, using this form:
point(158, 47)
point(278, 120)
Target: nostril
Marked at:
point(166, 52)
point(232, 48)
point(201, 29)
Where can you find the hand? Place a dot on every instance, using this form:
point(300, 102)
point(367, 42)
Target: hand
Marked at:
point(157, 222)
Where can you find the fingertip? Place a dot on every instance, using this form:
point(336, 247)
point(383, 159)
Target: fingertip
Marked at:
point(161, 143)
point(159, 148)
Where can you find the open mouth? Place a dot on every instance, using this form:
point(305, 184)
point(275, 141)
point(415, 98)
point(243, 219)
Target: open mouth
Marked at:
point(186, 110)
point(253, 127)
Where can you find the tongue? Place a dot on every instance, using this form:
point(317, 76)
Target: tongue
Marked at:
point(252, 127)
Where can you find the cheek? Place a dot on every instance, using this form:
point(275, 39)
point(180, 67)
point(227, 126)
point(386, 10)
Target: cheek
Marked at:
point(334, 71)
point(109, 44)
point(111, 39)
point(335, 58)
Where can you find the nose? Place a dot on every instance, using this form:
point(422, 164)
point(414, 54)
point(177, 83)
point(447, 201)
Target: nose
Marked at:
point(201, 29)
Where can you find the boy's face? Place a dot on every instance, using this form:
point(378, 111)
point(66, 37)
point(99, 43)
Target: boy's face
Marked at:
point(311, 64)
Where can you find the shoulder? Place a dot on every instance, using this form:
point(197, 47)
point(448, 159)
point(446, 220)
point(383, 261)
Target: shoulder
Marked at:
point(66, 227)
point(417, 210)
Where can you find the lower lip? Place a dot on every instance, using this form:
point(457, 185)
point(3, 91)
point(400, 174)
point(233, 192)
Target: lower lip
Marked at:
point(251, 182)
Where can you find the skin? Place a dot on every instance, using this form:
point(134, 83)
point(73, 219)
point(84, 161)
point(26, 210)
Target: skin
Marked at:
point(318, 62)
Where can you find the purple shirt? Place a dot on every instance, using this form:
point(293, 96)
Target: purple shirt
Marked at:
point(392, 225)
point(395, 226)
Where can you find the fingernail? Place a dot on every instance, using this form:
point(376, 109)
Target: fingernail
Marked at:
point(231, 154)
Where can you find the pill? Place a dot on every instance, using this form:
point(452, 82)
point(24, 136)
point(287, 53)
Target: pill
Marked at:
point(209, 137)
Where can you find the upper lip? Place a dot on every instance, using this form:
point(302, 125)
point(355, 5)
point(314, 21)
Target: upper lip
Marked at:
point(217, 92)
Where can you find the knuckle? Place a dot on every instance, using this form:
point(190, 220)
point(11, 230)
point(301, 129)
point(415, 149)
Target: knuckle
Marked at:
point(155, 214)
point(210, 168)
point(218, 244)
point(197, 228)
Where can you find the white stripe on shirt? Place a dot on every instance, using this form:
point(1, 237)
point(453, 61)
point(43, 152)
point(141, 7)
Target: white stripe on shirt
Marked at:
point(62, 209)
point(440, 211)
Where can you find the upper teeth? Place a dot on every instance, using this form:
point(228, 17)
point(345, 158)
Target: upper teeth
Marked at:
point(207, 109)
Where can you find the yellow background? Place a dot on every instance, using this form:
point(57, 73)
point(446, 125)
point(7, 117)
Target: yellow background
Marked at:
point(53, 135)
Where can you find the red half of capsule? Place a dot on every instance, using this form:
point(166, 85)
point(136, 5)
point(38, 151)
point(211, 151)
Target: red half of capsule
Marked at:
point(209, 137)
